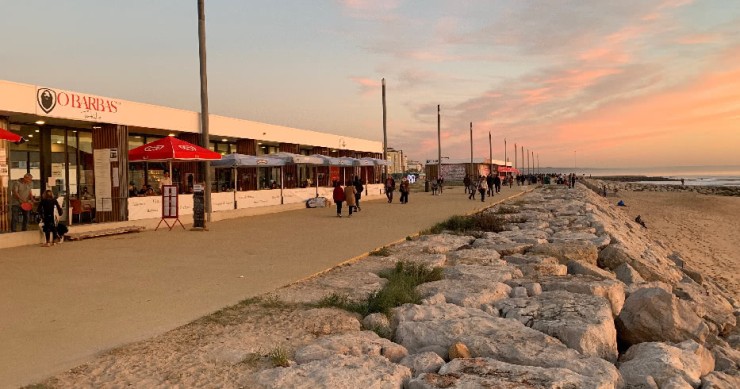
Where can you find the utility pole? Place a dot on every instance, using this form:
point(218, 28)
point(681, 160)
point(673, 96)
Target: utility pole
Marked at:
point(528, 170)
point(490, 153)
point(472, 171)
point(516, 157)
point(506, 159)
point(385, 137)
point(439, 146)
point(205, 139)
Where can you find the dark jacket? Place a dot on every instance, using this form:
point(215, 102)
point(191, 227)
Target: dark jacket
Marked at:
point(358, 186)
point(390, 184)
point(46, 210)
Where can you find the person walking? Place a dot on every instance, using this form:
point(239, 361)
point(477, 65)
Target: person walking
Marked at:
point(496, 184)
point(466, 183)
point(440, 183)
point(482, 188)
point(47, 206)
point(21, 202)
point(390, 186)
point(358, 192)
point(404, 188)
point(338, 196)
point(472, 189)
point(349, 197)
point(489, 181)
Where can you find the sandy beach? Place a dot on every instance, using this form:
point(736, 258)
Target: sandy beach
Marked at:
point(702, 229)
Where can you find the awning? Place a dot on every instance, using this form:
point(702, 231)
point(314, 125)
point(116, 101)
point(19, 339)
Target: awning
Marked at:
point(242, 160)
point(10, 136)
point(508, 169)
point(171, 149)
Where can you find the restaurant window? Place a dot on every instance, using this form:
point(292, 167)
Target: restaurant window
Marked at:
point(26, 157)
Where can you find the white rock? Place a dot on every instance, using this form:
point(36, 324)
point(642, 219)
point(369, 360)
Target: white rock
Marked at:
point(339, 371)
point(426, 362)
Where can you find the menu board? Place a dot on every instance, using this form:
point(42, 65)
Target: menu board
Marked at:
point(101, 161)
point(169, 202)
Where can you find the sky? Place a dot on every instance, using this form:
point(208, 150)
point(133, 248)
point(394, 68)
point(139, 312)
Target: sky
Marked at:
point(599, 83)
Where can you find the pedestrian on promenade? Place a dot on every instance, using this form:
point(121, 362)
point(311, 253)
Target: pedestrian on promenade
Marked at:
point(46, 209)
point(440, 183)
point(490, 183)
point(497, 183)
point(434, 187)
point(472, 189)
point(482, 188)
point(358, 192)
point(22, 202)
point(466, 183)
point(349, 196)
point(404, 188)
point(390, 186)
point(338, 196)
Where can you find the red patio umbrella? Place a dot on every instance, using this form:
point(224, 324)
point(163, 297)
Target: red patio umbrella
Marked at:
point(7, 135)
point(171, 149)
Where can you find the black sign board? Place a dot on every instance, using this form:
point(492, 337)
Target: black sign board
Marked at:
point(199, 209)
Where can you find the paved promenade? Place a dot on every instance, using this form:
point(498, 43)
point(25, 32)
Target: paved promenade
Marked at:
point(61, 306)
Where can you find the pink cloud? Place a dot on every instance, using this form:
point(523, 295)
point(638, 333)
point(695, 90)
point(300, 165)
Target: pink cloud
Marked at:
point(367, 85)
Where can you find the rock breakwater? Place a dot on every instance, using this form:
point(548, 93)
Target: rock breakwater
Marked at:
point(615, 186)
point(570, 294)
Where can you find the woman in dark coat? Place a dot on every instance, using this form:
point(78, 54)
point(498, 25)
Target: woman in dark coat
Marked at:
point(46, 209)
point(338, 197)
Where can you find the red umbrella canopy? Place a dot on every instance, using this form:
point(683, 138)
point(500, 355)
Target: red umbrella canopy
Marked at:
point(171, 149)
point(7, 135)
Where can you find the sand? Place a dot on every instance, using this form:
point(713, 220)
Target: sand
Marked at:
point(703, 229)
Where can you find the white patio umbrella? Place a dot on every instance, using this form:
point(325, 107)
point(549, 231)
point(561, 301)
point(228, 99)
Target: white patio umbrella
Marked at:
point(235, 160)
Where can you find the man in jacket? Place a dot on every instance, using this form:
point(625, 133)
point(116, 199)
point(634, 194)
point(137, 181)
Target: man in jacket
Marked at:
point(390, 186)
point(20, 194)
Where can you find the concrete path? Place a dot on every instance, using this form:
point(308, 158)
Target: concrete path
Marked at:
point(60, 306)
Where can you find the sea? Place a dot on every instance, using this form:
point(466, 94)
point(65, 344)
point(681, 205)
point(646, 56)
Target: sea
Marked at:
point(692, 175)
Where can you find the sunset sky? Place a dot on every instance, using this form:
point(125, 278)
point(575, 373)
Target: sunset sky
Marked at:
point(634, 83)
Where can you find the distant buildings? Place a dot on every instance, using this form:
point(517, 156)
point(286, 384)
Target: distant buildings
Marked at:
point(397, 161)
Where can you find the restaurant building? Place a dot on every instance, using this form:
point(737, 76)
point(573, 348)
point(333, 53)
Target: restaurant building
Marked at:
point(77, 145)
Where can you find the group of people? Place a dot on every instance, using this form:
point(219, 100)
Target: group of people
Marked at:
point(351, 194)
point(48, 209)
point(404, 188)
point(490, 185)
point(146, 189)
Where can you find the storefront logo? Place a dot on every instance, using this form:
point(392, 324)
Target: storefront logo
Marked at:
point(153, 148)
point(47, 99)
point(186, 147)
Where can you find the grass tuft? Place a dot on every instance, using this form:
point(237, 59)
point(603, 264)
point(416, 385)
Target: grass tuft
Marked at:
point(381, 252)
point(400, 289)
point(485, 222)
point(279, 357)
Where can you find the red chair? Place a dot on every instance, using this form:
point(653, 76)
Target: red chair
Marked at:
point(78, 210)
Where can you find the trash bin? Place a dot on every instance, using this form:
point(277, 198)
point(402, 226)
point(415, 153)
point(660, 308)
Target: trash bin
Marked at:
point(426, 185)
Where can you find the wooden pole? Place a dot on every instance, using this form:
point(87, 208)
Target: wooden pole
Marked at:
point(472, 171)
point(385, 137)
point(490, 153)
point(204, 104)
point(439, 145)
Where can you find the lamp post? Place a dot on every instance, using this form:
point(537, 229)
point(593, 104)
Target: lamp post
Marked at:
point(439, 146)
point(204, 105)
point(385, 137)
point(471, 149)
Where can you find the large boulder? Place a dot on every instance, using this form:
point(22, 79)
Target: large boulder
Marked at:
point(611, 290)
point(579, 251)
point(426, 362)
point(644, 259)
point(436, 327)
point(582, 322)
point(352, 343)
point(499, 271)
point(655, 315)
point(327, 321)
point(473, 293)
point(713, 308)
point(491, 373)
point(661, 361)
point(720, 380)
point(587, 269)
point(535, 266)
point(339, 371)
point(473, 256)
